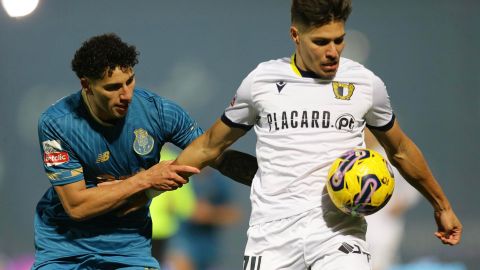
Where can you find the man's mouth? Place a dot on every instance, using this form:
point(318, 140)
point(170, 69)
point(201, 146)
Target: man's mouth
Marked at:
point(330, 66)
point(122, 107)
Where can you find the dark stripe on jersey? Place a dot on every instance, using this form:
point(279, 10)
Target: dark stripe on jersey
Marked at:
point(386, 127)
point(229, 123)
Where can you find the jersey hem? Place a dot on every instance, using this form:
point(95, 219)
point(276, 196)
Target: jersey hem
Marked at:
point(257, 221)
point(386, 127)
point(230, 123)
point(66, 182)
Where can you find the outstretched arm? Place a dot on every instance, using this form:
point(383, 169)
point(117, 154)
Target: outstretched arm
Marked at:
point(209, 150)
point(82, 203)
point(408, 159)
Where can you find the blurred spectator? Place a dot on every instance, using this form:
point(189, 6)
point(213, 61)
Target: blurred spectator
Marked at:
point(386, 227)
point(166, 210)
point(196, 246)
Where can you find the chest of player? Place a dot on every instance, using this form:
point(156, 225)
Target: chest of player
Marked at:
point(312, 104)
point(117, 151)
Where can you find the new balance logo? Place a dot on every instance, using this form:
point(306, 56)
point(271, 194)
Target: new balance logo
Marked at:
point(355, 249)
point(103, 157)
point(252, 262)
point(280, 85)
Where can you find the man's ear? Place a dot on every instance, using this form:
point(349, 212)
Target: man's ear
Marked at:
point(294, 35)
point(85, 85)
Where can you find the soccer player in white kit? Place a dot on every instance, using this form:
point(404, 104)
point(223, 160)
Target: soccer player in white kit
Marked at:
point(306, 111)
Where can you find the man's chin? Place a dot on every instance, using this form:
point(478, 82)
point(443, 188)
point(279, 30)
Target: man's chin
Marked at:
point(120, 116)
point(327, 75)
point(119, 112)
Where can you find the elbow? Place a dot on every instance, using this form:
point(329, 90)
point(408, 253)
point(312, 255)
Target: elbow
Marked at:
point(76, 214)
point(395, 160)
point(212, 157)
point(398, 155)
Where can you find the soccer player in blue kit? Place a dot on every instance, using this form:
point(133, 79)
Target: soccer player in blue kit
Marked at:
point(108, 131)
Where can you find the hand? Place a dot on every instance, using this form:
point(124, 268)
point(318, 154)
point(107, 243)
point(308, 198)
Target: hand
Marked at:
point(449, 227)
point(164, 176)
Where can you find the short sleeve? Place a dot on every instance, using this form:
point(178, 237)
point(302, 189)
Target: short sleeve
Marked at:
point(59, 162)
point(179, 127)
point(380, 116)
point(240, 113)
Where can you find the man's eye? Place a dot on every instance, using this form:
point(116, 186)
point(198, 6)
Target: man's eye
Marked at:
point(129, 81)
point(338, 40)
point(321, 42)
point(112, 87)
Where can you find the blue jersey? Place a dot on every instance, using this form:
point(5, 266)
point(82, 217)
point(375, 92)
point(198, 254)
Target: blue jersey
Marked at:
point(75, 147)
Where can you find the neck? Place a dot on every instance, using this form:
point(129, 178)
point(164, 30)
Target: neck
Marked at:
point(86, 100)
point(299, 62)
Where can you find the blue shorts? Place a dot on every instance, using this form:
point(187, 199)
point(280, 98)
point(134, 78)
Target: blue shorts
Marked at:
point(88, 262)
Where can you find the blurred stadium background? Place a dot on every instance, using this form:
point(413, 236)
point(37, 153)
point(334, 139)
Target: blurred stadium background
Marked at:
point(197, 53)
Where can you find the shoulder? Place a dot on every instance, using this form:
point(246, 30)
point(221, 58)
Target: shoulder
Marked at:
point(271, 70)
point(67, 106)
point(144, 95)
point(151, 98)
point(357, 72)
point(351, 66)
point(273, 66)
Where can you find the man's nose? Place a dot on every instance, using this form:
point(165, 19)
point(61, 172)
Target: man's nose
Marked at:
point(127, 93)
point(331, 51)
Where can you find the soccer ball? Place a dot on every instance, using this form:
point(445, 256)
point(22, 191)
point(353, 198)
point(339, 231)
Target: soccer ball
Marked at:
point(360, 182)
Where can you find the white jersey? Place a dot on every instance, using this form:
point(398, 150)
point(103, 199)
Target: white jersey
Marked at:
point(302, 124)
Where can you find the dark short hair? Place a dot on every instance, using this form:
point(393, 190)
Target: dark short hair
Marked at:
point(315, 13)
point(103, 53)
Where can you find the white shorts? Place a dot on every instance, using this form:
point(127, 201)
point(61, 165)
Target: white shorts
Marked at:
point(309, 241)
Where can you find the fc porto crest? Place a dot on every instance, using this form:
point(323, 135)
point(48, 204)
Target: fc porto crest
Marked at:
point(343, 91)
point(143, 143)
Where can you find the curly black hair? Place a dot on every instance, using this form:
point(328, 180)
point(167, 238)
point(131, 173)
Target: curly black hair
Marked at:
point(101, 54)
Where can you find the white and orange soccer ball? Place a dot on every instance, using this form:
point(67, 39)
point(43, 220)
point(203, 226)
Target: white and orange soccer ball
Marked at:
point(360, 182)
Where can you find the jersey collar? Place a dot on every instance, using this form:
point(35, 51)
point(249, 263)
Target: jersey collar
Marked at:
point(302, 73)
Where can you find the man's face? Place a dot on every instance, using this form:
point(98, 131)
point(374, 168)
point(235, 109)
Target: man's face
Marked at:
point(110, 96)
point(318, 49)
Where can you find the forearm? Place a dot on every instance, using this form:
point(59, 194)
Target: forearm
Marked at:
point(85, 203)
point(205, 150)
point(198, 155)
point(414, 168)
point(236, 165)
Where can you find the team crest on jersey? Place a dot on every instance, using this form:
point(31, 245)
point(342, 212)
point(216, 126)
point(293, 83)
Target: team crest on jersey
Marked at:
point(143, 143)
point(343, 91)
